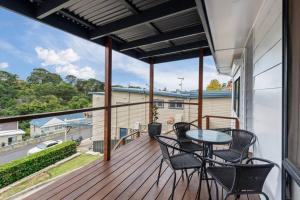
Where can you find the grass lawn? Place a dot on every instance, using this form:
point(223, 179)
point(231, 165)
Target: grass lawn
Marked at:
point(70, 165)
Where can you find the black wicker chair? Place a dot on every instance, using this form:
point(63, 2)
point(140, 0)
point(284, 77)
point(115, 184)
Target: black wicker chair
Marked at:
point(180, 159)
point(180, 129)
point(241, 179)
point(238, 149)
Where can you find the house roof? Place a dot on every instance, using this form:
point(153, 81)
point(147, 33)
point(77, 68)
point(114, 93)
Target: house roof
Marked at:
point(185, 94)
point(11, 132)
point(42, 121)
point(165, 30)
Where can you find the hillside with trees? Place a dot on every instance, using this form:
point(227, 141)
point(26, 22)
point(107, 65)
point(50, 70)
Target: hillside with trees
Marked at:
point(44, 91)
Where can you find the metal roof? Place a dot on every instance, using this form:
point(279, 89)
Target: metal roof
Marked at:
point(185, 94)
point(42, 121)
point(165, 30)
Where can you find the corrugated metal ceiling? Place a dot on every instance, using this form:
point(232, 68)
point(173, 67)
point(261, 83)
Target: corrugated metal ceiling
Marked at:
point(94, 14)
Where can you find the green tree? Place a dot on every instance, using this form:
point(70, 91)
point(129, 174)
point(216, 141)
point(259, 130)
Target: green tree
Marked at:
point(41, 75)
point(44, 91)
point(71, 79)
point(214, 85)
point(78, 102)
point(90, 85)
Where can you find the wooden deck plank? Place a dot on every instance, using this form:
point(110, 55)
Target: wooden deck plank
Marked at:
point(191, 191)
point(181, 188)
point(84, 171)
point(123, 172)
point(116, 189)
point(130, 174)
point(108, 175)
point(156, 189)
point(166, 192)
point(138, 182)
point(147, 185)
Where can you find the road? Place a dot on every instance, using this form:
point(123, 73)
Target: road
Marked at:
point(21, 152)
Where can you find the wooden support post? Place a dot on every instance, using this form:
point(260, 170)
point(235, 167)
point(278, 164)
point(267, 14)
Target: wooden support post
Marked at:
point(200, 88)
point(237, 124)
point(207, 122)
point(151, 90)
point(107, 104)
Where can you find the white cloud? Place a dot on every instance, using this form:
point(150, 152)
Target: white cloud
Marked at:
point(167, 75)
point(64, 62)
point(51, 57)
point(89, 54)
point(3, 65)
point(70, 69)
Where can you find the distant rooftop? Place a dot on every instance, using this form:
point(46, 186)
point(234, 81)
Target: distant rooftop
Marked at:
point(11, 132)
point(42, 121)
point(178, 94)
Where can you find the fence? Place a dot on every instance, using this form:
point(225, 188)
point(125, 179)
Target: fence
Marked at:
point(127, 119)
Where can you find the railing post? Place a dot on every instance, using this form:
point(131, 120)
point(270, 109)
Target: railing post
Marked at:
point(207, 122)
point(237, 124)
point(107, 89)
point(151, 90)
point(200, 88)
point(122, 142)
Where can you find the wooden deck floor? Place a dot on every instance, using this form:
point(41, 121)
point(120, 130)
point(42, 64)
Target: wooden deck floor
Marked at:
point(130, 174)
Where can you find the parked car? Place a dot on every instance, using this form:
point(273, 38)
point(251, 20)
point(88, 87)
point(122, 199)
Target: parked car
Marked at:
point(42, 146)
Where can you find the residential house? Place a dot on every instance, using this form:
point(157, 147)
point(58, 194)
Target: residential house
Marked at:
point(51, 125)
point(10, 133)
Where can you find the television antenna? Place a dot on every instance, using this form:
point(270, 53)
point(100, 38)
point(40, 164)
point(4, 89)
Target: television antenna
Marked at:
point(181, 79)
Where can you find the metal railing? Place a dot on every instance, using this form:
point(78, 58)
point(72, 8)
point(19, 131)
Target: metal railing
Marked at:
point(134, 117)
point(209, 117)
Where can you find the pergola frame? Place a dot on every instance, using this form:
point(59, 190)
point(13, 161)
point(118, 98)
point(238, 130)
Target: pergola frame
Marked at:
point(58, 13)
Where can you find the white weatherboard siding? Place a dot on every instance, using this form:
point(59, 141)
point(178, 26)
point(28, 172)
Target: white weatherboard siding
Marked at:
point(267, 90)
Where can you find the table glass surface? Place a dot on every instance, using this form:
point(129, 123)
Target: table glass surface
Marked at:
point(209, 136)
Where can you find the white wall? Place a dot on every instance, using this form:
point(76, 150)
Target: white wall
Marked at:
point(267, 89)
point(126, 117)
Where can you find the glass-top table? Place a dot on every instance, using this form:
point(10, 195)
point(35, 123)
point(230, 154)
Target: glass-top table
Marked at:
point(209, 138)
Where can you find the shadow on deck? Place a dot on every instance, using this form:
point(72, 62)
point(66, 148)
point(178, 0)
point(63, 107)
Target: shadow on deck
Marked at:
point(130, 174)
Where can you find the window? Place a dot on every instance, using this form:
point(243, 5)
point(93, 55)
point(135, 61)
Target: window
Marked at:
point(175, 104)
point(236, 97)
point(10, 140)
point(158, 103)
point(123, 132)
point(291, 90)
point(58, 127)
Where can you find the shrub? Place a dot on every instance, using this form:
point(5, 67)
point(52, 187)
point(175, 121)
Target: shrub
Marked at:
point(18, 169)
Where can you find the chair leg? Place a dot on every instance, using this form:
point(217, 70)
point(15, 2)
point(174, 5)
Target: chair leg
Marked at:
point(200, 183)
point(227, 195)
point(265, 195)
point(217, 189)
point(187, 176)
point(174, 185)
point(161, 162)
point(207, 184)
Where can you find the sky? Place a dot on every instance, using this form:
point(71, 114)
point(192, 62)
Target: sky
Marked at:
point(26, 44)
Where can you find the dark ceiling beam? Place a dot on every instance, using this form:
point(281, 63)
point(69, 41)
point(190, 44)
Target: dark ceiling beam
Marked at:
point(22, 7)
point(52, 6)
point(76, 19)
point(158, 12)
point(175, 49)
point(182, 56)
point(186, 32)
point(130, 6)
